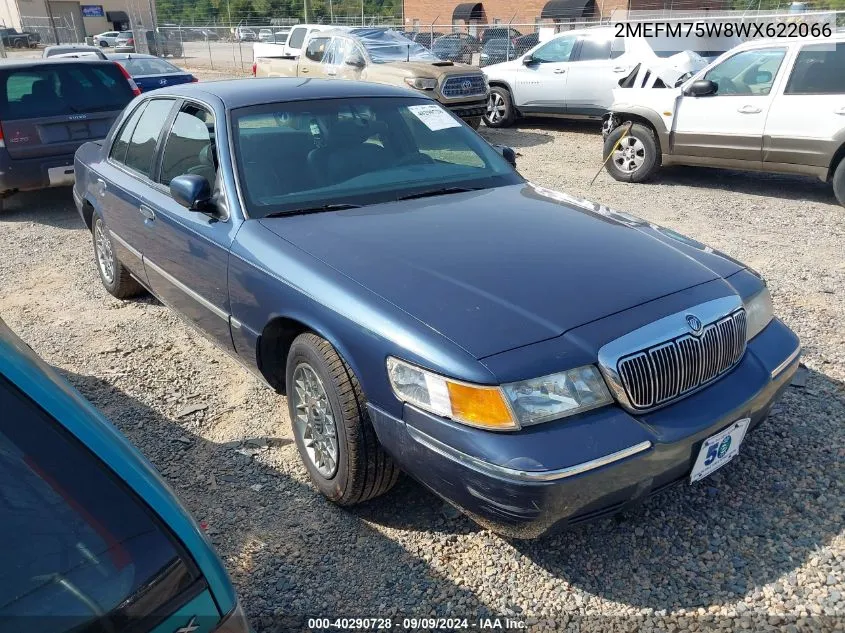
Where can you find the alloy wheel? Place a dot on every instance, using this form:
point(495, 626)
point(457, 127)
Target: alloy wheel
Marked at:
point(314, 421)
point(104, 253)
point(629, 156)
point(496, 107)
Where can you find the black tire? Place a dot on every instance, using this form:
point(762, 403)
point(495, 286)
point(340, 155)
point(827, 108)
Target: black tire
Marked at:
point(19, 44)
point(500, 98)
point(363, 469)
point(642, 147)
point(838, 181)
point(121, 284)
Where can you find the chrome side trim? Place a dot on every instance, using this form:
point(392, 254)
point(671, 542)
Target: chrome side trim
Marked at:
point(777, 371)
point(513, 474)
point(188, 291)
point(125, 244)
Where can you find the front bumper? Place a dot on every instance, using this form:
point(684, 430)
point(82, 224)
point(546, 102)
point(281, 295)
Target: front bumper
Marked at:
point(468, 110)
point(608, 459)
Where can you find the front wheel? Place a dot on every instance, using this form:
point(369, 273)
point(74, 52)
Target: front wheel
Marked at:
point(499, 108)
point(838, 181)
point(331, 425)
point(631, 155)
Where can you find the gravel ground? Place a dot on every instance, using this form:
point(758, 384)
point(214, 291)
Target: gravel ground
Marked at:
point(759, 545)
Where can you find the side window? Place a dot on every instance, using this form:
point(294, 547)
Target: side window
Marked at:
point(558, 50)
point(336, 51)
point(819, 70)
point(139, 154)
point(593, 48)
point(121, 142)
point(317, 48)
point(190, 147)
point(747, 73)
point(297, 36)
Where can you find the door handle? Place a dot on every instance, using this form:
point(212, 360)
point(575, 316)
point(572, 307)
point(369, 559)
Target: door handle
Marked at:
point(560, 71)
point(101, 187)
point(148, 213)
point(304, 71)
point(619, 69)
point(749, 109)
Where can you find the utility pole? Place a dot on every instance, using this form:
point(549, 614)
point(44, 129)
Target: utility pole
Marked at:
point(307, 8)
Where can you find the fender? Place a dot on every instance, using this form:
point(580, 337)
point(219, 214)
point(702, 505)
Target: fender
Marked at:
point(625, 111)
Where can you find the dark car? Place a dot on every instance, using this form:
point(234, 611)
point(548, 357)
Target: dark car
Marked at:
point(535, 359)
point(150, 72)
point(12, 38)
point(424, 38)
point(80, 51)
point(525, 43)
point(498, 51)
point(498, 33)
point(49, 108)
point(163, 43)
point(92, 539)
point(456, 47)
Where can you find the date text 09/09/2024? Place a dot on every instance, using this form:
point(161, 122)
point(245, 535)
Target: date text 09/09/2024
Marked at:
point(414, 624)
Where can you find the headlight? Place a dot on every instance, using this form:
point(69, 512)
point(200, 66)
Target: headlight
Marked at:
point(758, 311)
point(421, 83)
point(557, 395)
point(505, 408)
point(476, 405)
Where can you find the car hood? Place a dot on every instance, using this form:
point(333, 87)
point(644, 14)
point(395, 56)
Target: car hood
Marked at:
point(502, 268)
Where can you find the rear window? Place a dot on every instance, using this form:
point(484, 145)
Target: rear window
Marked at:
point(297, 36)
point(150, 66)
point(62, 90)
point(74, 540)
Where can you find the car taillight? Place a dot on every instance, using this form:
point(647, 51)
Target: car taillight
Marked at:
point(194, 80)
point(254, 69)
point(135, 90)
point(2, 140)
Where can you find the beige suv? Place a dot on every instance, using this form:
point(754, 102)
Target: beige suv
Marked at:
point(385, 56)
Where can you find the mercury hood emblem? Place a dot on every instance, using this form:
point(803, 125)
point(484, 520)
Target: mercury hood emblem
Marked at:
point(694, 323)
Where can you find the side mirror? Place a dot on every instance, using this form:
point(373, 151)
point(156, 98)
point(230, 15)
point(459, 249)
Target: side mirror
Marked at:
point(763, 77)
point(355, 62)
point(701, 88)
point(191, 191)
point(507, 153)
point(528, 60)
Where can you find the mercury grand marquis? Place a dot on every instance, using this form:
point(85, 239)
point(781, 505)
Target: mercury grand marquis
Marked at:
point(535, 359)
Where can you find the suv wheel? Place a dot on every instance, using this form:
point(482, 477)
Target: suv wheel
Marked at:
point(631, 157)
point(116, 279)
point(499, 108)
point(838, 181)
point(331, 426)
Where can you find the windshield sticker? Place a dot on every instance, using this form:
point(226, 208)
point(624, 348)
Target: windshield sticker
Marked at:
point(434, 117)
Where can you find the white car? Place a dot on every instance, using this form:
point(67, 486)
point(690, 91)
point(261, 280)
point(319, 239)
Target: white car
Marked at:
point(106, 39)
point(767, 105)
point(298, 35)
point(573, 74)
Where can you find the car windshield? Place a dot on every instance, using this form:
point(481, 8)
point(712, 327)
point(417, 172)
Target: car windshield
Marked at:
point(309, 154)
point(384, 46)
point(148, 66)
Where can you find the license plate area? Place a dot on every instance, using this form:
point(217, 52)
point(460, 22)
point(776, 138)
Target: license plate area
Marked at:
point(719, 449)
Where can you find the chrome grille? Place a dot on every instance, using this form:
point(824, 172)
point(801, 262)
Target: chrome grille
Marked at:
point(661, 373)
point(464, 86)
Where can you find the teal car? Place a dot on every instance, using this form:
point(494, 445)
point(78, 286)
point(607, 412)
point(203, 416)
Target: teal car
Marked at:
point(91, 538)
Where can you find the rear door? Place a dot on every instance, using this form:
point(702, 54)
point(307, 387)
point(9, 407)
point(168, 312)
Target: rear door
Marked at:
point(593, 75)
point(311, 60)
point(50, 110)
point(806, 123)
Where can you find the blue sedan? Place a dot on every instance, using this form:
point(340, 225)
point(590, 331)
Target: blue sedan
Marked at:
point(150, 72)
point(91, 537)
point(535, 359)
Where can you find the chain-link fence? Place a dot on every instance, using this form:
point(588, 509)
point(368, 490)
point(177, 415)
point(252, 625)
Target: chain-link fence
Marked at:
point(62, 29)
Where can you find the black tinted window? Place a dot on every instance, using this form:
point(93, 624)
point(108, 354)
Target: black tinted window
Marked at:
point(317, 48)
point(56, 91)
point(593, 48)
point(190, 146)
point(121, 143)
point(139, 155)
point(74, 539)
point(819, 70)
point(297, 36)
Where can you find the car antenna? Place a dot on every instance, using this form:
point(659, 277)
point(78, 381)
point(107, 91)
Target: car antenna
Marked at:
point(408, 58)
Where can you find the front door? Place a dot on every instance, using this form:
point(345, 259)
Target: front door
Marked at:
point(186, 253)
point(729, 124)
point(310, 63)
point(541, 84)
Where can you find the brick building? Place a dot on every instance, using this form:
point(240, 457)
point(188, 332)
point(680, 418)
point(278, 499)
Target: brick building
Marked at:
point(419, 13)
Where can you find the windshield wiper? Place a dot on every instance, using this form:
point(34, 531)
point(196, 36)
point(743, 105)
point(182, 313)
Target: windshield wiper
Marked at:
point(442, 191)
point(319, 209)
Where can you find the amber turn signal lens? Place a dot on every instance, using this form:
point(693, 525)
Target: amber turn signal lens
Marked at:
point(479, 406)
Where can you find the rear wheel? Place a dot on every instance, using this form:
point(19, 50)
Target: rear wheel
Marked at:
point(631, 155)
point(499, 108)
point(19, 44)
point(116, 279)
point(838, 181)
point(331, 426)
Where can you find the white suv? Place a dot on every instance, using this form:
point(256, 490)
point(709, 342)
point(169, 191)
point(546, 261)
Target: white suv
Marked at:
point(573, 75)
point(768, 105)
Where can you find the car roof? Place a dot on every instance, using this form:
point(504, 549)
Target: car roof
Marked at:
point(6, 64)
point(130, 56)
point(239, 93)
